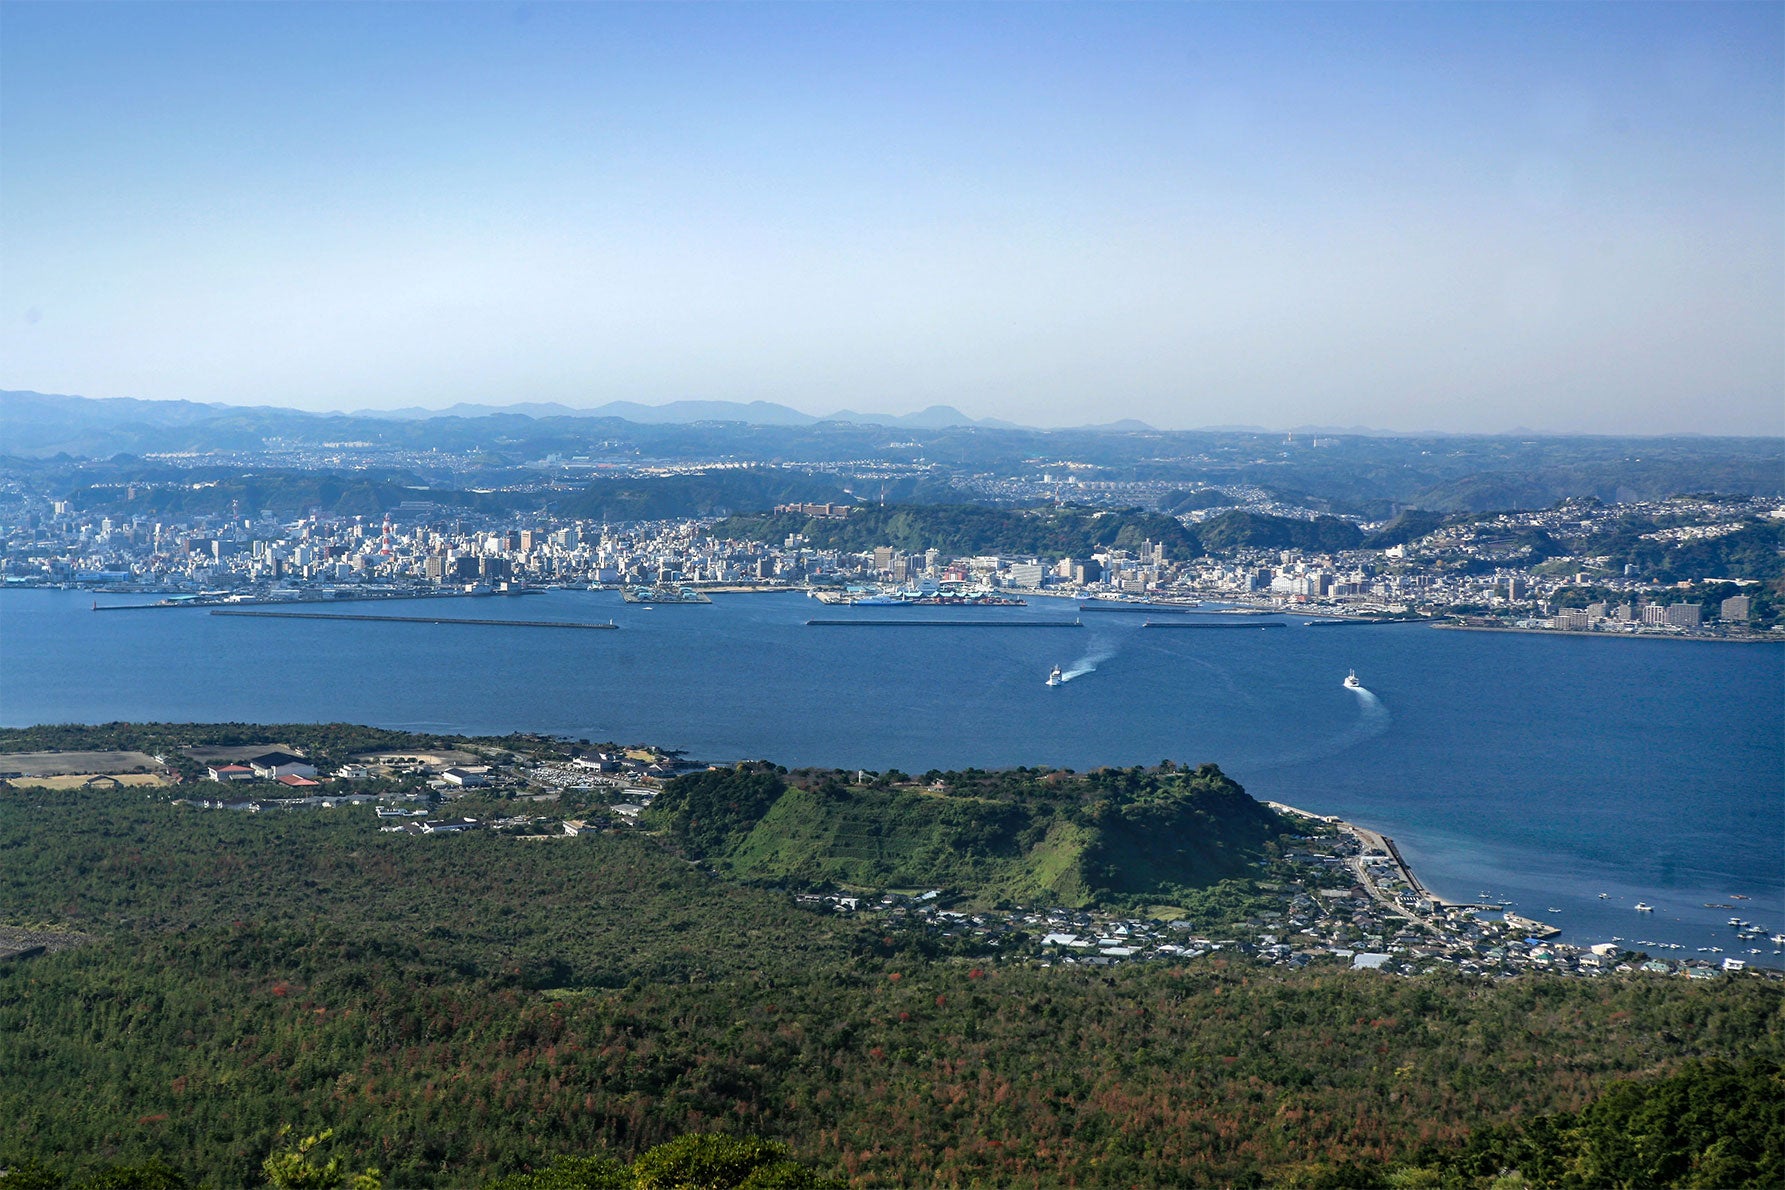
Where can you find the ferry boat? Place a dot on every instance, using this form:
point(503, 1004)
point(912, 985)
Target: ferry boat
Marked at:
point(1644, 907)
point(1056, 677)
point(1351, 682)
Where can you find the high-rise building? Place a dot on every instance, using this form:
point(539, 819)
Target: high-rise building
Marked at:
point(1683, 615)
point(1736, 609)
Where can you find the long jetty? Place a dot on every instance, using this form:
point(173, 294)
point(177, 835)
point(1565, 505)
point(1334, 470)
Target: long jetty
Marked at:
point(407, 619)
point(1228, 626)
point(190, 604)
point(943, 624)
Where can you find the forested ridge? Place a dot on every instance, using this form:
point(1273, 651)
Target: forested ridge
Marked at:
point(461, 1009)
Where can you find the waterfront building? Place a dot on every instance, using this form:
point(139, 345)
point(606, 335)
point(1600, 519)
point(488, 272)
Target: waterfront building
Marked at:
point(1735, 609)
point(1682, 615)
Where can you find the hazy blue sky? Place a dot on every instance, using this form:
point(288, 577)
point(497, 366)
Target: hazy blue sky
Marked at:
point(1411, 216)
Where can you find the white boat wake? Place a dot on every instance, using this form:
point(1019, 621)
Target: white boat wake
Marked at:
point(1088, 663)
point(1372, 720)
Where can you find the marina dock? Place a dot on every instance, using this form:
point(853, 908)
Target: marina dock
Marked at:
point(407, 619)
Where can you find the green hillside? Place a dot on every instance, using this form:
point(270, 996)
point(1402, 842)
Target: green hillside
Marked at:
point(958, 529)
point(1018, 837)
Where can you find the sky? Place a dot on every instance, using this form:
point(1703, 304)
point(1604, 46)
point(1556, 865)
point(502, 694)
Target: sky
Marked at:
point(1413, 216)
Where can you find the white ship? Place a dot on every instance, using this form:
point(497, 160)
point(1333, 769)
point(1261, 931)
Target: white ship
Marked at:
point(1351, 682)
point(1055, 678)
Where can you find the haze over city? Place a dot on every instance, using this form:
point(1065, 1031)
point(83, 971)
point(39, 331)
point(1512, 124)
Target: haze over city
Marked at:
point(1457, 217)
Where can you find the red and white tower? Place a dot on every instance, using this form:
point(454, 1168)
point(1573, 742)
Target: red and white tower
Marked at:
point(384, 547)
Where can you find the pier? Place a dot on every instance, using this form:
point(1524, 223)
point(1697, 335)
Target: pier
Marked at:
point(1181, 624)
point(309, 600)
point(943, 624)
point(406, 619)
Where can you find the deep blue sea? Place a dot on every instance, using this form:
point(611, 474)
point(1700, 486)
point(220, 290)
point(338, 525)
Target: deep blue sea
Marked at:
point(1543, 770)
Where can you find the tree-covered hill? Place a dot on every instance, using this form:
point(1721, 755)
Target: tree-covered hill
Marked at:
point(1019, 838)
point(1226, 530)
point(962, 529)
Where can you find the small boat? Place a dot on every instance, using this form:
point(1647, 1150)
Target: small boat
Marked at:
point(1641, 907)
point(1351, 682)
point(1055, 678)
point(1553, 909)
point(1605, 896)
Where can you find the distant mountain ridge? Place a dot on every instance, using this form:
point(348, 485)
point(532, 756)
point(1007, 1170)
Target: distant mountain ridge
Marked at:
point(19, 408)
point(755, 413)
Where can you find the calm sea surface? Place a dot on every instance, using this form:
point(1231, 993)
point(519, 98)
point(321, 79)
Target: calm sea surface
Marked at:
point(1541, 770)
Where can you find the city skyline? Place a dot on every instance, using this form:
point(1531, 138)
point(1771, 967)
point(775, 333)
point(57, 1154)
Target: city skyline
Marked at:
point(1456, 218)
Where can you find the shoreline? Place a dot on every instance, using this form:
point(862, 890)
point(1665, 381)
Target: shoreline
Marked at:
point(1561, 633)
point(1377, 845)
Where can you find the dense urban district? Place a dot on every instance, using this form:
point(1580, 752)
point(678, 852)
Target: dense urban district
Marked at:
point(1633, 537)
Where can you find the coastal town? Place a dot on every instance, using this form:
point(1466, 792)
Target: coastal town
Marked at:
point(1338, 895)
point(1510, 570)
